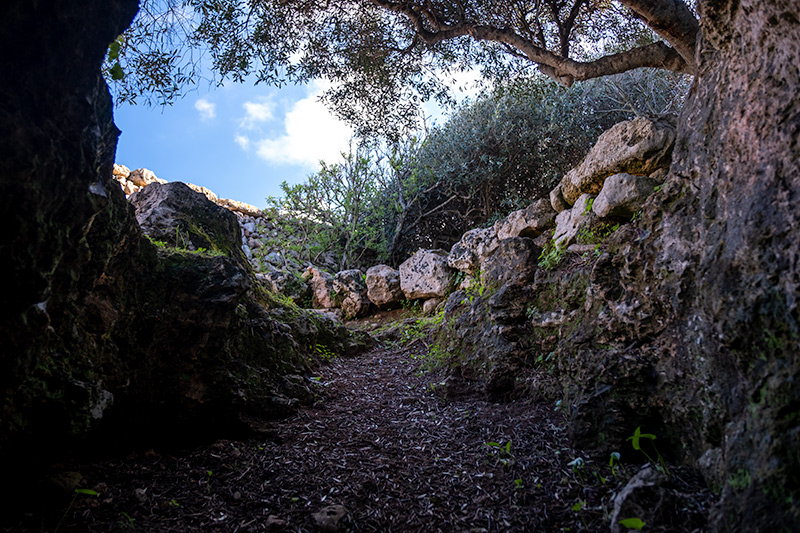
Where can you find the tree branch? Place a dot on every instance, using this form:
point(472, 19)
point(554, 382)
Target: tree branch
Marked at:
point(672, 20)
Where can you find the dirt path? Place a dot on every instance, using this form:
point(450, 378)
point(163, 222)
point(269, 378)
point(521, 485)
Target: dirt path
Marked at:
point(380, 443)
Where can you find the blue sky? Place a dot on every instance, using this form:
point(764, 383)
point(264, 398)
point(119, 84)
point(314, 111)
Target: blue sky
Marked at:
point(240, 140)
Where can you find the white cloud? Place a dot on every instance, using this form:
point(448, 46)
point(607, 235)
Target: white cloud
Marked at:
point(312, 134)
point(243, 141)
point(206, 109)
point(256, 112)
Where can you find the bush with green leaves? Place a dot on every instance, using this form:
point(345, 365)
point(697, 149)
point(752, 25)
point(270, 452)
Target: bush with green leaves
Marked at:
point(512, 146)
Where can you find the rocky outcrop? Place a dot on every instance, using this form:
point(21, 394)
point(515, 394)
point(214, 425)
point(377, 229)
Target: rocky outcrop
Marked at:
point(109, 339)
point(639, 146)
point(174, 214)
point(133, 181)
point(383, 286)
point(322, 293)
point(514, 262)
point(426, 275)
point(474, 247)
point(529, 222)
point(351, 289)
point(623, 195)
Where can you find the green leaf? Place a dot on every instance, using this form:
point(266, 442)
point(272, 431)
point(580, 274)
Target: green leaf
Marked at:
point(113, 51)
point(637, 435)
point(632, 523)
point(578, 506)
point(88, 492)
point(117, 72)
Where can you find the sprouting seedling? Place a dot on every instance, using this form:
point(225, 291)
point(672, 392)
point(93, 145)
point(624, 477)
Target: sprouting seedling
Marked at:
point(613, 462)
point(208, 481)
point(577, 466)
point(518, 483)
point(635, 442)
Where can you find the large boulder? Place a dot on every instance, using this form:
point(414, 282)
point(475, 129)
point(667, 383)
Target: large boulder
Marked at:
point(623, 195)
point(639, 146)
point(322, 293)
point(426, 275)
point(351, 289)
point(514, 262)
point(475, 245)
point(529, 222)
point(383, 286)
point(182, 218)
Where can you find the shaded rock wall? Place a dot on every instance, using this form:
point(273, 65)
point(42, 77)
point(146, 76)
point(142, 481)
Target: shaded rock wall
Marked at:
point(697, 326)
point(105, 337)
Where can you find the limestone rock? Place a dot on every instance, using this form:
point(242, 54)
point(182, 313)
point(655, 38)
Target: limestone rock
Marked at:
point(239, 207)
point(426, 275)
point(569, 223)
point(208, 193)
point(350, 287)
point(182, 218)
point(639, 146)
point(514, 262)
point(383, 286)
point(321, 288)
point(557, 201)
point(528, 222)
point(141, 177)
point(121, 171)
point(429, 306)
point(623, 195)
point(475, 245)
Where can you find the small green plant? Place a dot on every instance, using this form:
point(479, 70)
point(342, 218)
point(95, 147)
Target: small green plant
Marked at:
point(518, 483)
point(208, 481)
point(588, 208)
point(324, 353)
point(613, 462)
point(636, 443)
point(129, 521)
point(156, 243)
point(552, 255)
point(740, 479)
point(501, 453)
point(577, 506)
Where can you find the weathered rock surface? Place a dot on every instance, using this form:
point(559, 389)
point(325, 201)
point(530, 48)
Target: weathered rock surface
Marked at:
point(383, 286)
point(475, 245)
point(426, 275)
point(623, 195)
point(639, 146)
point(288, 284)
point(514, 262)
point(528, 222)
point(175, 214)
point(322, 293)
point(557, 201)
point(351, 289)
point(571, 222)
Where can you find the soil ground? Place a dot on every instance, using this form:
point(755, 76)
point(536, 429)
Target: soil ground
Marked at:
point(379, 450)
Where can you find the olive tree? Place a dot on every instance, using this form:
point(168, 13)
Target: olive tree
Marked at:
point(384, 57)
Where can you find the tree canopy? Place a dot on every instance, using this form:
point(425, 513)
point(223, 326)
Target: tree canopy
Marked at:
point(383, 57)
